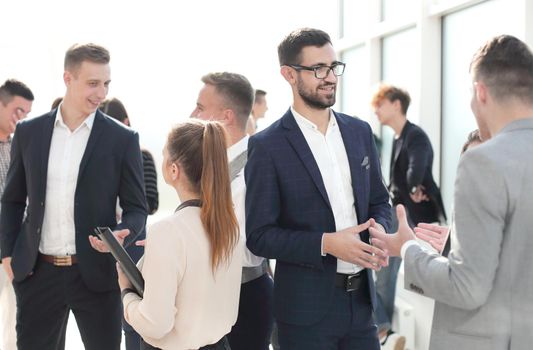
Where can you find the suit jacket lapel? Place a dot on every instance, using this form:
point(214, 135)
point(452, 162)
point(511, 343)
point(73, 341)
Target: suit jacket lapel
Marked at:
point(399, 144)
point(46, 141)
point(355, 157)
point(96, 130)
point(298, 142)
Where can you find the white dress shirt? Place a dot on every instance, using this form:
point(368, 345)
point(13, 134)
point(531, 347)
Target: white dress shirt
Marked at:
point(330, 155)
point(66, 150)
point(238, 193)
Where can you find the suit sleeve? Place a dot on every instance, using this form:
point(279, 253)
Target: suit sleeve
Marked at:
point(263, 210)
point(379, 202)
point(131, 191)
point(418, 148)
point(13, 199)
point(466, 278)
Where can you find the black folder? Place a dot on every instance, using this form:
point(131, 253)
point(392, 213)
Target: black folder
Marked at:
point(123, 258)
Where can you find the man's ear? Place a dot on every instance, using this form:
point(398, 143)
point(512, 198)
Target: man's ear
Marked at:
point(67, 77)
point(289, 74)
point(481, 92)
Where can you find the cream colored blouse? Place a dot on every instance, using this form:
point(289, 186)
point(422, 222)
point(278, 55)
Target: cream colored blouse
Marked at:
point(185, 305)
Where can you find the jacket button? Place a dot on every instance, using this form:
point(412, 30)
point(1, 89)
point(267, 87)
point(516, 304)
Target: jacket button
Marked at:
point(42, 204)
point(38, 230)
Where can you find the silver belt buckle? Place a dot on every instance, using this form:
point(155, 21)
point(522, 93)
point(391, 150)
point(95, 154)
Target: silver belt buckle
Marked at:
point(351, 283)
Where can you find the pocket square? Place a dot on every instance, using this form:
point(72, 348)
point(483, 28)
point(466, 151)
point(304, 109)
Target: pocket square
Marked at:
point(364, 163)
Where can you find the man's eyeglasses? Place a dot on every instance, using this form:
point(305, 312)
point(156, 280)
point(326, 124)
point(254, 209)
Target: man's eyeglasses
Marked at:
point(321, 72)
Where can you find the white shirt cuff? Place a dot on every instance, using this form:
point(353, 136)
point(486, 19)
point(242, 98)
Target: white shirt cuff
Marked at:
point(406, 245)
point(322, 245)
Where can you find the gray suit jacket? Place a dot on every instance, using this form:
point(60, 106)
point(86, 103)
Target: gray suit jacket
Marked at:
point(484, 290)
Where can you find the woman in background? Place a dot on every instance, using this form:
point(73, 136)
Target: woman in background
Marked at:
point(192, 262)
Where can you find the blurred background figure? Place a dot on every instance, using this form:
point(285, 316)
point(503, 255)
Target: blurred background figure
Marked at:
point(258, 111)
point(15, 103)
point(411, 184)
point(115, 108)
point(56, 102)
point(439, 236)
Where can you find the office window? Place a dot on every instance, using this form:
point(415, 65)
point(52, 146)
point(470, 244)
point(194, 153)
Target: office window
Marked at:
point(458, 47)
point(356, 16)
point(354, 81)
point(398, 68)
point(397, 9)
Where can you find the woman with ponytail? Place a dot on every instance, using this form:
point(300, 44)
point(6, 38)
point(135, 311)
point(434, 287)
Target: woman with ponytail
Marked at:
point(192, 262)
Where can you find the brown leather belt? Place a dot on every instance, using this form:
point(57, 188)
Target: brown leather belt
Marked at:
point(65, 260)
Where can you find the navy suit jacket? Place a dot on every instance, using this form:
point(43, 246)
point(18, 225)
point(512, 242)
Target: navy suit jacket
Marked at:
point(288, 210)
point(411, 166)
point(111, 167)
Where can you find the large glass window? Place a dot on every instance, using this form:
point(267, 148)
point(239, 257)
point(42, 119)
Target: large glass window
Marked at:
point(397, 9)
point(354, 92)
point(400, 69)
point(355, 17)
point(458, 47)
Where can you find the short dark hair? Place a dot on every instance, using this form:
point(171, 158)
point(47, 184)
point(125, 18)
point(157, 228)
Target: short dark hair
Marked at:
point(260, 93)
point(505, 65)
point(78, 53)
point(115, 109)
point(472, 137)
point(290, 48)
point(392, 93)
point(236, 91)
point(12, 88)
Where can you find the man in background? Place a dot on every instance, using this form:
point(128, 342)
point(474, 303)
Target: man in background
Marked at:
point(227, 98)
point(15, 103)
point(258, 111)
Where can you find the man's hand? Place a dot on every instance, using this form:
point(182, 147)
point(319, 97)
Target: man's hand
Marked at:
point(419, 195)
point(98, 245)
point(6, 263)
point(433, 234)
point(393, 243)
point(346, 245)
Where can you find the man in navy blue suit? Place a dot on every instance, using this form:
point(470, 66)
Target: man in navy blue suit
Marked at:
point(67, 169)
point(314, 187)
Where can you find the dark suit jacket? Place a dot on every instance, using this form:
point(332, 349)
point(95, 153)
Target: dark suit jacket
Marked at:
point(288, 210)
point(411, 165)
point(111, 166)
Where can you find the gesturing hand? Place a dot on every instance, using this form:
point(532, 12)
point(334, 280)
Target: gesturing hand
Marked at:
point(98, 245)
point(393, 242)
point(346, 245)
point(433, 234)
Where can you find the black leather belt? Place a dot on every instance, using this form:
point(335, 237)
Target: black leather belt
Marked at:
point(349, 282)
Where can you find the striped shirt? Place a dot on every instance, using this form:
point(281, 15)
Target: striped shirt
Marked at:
point(150, 182)
point(5, 148)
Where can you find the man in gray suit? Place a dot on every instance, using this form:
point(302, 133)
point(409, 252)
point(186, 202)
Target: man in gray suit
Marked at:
point(483, 289)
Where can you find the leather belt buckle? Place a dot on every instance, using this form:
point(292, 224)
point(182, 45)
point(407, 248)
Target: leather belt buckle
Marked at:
point(353, 282)
point(63, 260)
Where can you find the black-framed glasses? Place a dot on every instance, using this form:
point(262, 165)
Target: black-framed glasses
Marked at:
point(321, 72)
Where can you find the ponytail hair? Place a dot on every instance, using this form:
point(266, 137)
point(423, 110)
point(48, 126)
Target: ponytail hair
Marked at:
point(200, 150)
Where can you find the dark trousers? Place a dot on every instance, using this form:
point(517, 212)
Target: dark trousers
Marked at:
point(222, 344)
point(348, 325)
point(254, 323)
point(131, 337)
point(44, 301)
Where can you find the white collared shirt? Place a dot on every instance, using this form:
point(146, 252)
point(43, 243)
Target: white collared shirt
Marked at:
point(330, 155)
point(238, 194)
point(66, 150)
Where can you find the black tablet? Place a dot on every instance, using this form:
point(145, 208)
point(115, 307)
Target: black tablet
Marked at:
point(123, 258)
